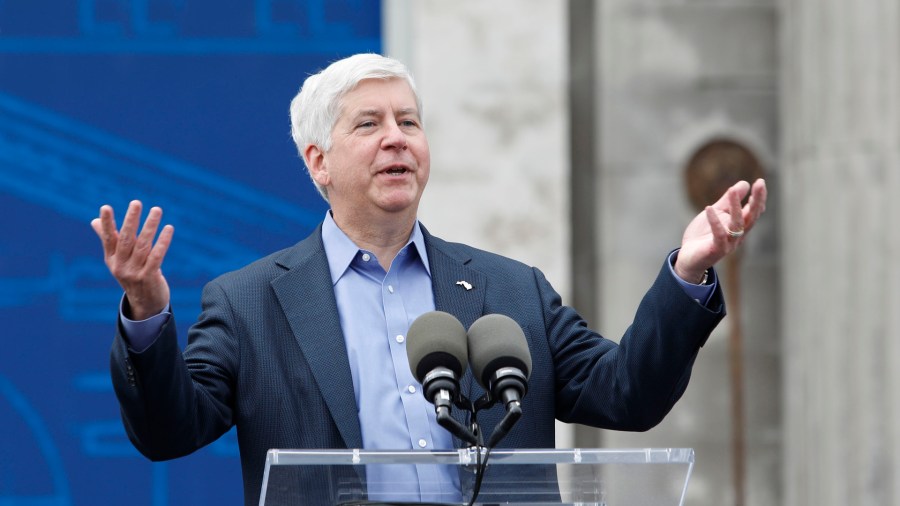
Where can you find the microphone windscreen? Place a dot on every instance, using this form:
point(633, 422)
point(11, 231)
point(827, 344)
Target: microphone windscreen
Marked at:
point(436, 339)
point(497, 341)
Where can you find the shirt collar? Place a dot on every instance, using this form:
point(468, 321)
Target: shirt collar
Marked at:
point(341, 250)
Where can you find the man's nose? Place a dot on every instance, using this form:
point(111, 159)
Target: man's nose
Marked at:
point(394, 137)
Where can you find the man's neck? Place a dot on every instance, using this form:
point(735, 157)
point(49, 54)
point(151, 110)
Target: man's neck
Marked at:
point(384, 237)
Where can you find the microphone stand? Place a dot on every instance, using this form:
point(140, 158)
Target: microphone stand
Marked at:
point(513, 413)
point(512, 386)
point(442, 390)
point(445, 419)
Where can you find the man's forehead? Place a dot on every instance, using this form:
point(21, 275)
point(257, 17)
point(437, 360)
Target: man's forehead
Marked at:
point(365, 96)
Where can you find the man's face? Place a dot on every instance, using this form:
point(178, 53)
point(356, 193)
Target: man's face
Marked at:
point(379, 160)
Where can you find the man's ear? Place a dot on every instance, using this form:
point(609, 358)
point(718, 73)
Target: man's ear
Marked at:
point(315, 162)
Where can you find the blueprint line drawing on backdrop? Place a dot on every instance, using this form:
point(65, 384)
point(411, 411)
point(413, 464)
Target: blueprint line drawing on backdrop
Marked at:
point(181, 104)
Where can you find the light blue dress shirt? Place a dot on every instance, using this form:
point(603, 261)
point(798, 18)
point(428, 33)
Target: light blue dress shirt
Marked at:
point(376, 309)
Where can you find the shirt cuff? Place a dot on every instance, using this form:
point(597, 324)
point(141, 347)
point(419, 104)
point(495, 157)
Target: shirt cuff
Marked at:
point(141, 334)
point(700, 293)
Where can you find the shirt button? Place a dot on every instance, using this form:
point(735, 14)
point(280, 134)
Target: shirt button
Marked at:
point(423, 443)
point(366, 257)
point(411, 389)
point(391, 288)
point(399, 339)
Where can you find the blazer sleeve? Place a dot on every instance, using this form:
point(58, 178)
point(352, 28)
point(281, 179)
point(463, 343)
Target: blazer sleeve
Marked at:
point(634, 384)
point(172, 405)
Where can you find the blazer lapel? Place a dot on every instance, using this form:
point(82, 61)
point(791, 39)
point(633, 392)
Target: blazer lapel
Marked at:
point(458, 289)
point(307, 299)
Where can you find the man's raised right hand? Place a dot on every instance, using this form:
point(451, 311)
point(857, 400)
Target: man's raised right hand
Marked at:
point(133, 258)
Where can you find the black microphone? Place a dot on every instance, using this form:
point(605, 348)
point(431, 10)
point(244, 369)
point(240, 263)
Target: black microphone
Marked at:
point(501, 363)
point(438, 356)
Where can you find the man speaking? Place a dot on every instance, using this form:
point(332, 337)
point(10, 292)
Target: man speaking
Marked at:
point(305, 348)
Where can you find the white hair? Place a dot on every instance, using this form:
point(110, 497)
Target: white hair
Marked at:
point(315, 108)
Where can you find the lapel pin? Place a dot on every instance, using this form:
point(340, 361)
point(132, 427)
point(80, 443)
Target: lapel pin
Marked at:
point(465, 284)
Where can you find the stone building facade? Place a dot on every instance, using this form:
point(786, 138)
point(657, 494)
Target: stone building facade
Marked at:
point(560, 135)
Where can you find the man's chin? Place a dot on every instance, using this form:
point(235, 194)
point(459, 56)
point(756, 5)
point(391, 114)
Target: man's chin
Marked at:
point(399, 208)
point(398, 199)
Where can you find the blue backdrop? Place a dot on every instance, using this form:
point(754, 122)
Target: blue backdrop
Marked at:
point(179, 103)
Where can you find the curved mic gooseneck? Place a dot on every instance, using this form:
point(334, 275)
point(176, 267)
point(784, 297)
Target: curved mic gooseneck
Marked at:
point(437, 349)
point(501, 363)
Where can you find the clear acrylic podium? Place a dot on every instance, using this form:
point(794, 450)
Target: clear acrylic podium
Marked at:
point(604, 477)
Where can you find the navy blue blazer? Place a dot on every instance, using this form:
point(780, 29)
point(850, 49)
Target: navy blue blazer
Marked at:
point(267, 354)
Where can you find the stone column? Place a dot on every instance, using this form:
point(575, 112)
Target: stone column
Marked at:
point(840, 96)
point(493, 78)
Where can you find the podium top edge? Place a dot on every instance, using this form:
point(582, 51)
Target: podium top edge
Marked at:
point(467, 456)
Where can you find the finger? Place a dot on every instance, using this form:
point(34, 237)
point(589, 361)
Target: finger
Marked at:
point(128, 232)
point(724, 203)
point(735, 194)
point(158, 253)
point(759, 196)
point(148, 232)
point(757, 204)
point(105, 228)
point(715, 225)
point(98, 229)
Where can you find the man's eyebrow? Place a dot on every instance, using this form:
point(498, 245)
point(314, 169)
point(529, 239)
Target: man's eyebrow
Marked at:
point(367, 113)
point(407, 111)
point(377, 113)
